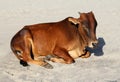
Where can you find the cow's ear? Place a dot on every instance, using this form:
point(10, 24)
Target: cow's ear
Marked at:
point(73, 21)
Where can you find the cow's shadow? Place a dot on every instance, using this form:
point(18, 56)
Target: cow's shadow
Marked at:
point(98, 50)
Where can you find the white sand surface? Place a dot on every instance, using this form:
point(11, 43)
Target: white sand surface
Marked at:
point(102, 66)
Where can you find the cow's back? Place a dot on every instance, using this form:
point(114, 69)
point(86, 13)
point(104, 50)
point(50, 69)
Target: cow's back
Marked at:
point(47, 36)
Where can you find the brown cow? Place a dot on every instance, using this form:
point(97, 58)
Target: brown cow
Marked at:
point(64, 39)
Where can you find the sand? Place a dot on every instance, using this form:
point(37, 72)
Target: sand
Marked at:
point(102, 66)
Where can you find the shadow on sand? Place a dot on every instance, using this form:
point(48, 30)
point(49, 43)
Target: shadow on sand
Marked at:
point(98, 50)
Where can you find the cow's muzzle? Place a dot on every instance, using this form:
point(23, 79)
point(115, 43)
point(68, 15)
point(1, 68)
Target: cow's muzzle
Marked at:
point(95, 43)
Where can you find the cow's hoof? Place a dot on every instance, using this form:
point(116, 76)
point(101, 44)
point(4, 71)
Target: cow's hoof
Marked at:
point(23, 63)
point(70, 61)
point(48, 66)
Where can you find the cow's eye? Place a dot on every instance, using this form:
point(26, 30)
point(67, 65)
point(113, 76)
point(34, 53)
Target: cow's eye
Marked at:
point(86, 29)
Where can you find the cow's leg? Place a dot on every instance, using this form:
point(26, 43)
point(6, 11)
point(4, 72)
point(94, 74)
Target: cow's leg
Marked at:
point(57, 60)
point(41, 63)
point(62, 53)
point(28, 55)
point(54, 58)
point(26, 58)
point(86, 55)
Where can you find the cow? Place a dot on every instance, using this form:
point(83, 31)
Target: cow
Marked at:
point(64, 41)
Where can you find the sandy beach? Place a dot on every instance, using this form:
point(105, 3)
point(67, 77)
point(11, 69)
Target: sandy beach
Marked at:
point(102, 66)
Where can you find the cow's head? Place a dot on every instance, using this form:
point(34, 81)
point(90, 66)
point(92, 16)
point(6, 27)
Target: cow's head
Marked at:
point(90, 23)
point(84, 33)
